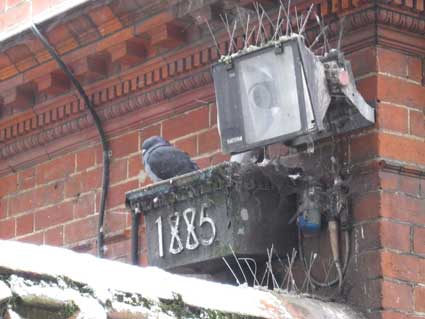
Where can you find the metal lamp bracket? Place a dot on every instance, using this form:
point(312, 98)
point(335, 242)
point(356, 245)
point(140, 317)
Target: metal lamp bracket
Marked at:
point(229, 64)
point(279, 48)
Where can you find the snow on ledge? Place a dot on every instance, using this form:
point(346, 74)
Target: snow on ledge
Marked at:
point(106, 278)
point(51, 12)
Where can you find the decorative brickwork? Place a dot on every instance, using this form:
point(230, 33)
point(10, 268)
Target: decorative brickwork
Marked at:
point(147, 72)
point(57, 200)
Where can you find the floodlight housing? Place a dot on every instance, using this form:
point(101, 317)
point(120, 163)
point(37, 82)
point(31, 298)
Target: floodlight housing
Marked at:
point(282, 93)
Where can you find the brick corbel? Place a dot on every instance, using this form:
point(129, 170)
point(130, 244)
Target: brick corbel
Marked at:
point(52, 83)
point(21, 56)
point(19, 98)
point(92, 67)
point(168, 35)
point(105, 20)
point(128, 52)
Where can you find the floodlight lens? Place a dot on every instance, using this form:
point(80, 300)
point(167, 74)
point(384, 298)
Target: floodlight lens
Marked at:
point(261, 95)
point(269, 95)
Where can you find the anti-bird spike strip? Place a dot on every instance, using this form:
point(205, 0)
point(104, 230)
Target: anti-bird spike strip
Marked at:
point(270, 28)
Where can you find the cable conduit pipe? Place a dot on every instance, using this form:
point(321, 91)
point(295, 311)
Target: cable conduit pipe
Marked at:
point(98, 124)
point(135, 220)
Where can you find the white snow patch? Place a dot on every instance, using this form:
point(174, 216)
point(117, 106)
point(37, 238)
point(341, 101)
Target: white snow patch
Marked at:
point(13, 315)
point(294, 176)
point(244, 214)
point(89, 307)
point(5, 292)
point(105, 276)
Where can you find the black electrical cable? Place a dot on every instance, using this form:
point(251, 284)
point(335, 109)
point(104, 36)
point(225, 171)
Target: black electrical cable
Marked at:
point(135, 220)
point(340, 269)
point(96, 120)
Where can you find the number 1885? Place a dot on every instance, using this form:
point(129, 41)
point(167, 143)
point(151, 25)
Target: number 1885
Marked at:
point(192, 240)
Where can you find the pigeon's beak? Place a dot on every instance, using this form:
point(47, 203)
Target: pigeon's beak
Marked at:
point(143, 152)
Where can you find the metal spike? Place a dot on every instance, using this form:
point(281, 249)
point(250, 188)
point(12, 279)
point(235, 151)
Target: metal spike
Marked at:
point(241, 21)
point(269, 265)
point(306, 18)
point(227, 26)
point(296, 19)
point(278, 24)
point(326, 42)
point(259, 18)
point(317, 19)
point(250, 35)
point(239, 264)
point(300, 21)
point(232, 37)
point(260, 30)
point(253, 272)
point(341, 31)
point(240, 17)
point(246, 32)
point(213, 36)
point(323, 30)
point(288, 16)
point(268, 17)
point(277, 29)
point(231, 270)
point(318, 36)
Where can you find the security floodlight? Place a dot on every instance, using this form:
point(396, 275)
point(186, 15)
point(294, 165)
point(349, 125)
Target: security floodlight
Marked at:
point(285, 93)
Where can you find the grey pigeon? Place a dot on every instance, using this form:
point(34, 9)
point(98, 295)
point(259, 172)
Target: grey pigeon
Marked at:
point(163, 161)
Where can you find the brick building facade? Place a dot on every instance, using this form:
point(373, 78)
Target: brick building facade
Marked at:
point(146, 66)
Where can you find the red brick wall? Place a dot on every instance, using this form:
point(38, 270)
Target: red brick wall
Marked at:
point(389, 207)
point(56, 202)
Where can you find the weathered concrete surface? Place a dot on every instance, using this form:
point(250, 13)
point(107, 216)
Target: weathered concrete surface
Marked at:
point(54, 281)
